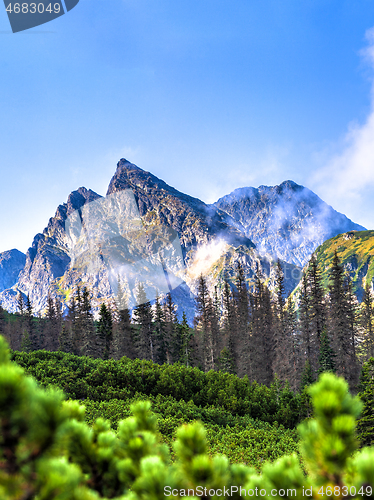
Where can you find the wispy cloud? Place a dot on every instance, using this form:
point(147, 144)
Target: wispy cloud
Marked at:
point(347, 178)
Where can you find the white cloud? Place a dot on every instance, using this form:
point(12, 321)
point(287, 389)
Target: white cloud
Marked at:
point(346, 180)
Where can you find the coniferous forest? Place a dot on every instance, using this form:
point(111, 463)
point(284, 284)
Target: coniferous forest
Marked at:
point(242, 330)
point(253, 379)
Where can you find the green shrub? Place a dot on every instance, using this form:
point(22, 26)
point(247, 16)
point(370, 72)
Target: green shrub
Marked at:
point(98, 380)
point(47, 452)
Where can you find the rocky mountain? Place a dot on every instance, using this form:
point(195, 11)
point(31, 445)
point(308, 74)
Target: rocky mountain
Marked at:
point(145, 230)
point(287, 221)
point(11, 264)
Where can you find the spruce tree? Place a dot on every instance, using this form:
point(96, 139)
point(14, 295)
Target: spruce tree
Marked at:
point(295, 344)
point(240, 338)
point(326, 357)
point(30, 326)
point(309, 349)
point(161, 344)
point(282, 363)
point(186, 344)
point(225, 362)
point(317, 306)
point(123, 339)
point(367, 322)
point(73, 324)
point(262, 334)
point(203, 325)
point(229, 326)
point(143, 318)
point(172, 340)
point(342, 322)
point(104, 332)
point(307, 377)
point(64, 339)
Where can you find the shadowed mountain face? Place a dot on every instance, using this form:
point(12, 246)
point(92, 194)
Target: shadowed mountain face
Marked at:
point(11, 264)
point(287, 221)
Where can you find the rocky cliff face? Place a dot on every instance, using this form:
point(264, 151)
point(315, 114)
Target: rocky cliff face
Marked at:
point(90, 240)
point(11, 264)
point(287, 221)
point(48, 258)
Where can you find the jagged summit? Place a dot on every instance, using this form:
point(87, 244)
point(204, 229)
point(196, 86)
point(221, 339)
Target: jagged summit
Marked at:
point(195, 221)
point(288, 220)
point(250, 225)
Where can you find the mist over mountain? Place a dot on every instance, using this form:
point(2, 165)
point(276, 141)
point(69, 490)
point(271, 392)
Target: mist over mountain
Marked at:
point(287, 221)
point(250, 226)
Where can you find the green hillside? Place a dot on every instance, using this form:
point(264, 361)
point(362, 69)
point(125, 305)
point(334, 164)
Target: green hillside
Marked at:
point(355, 250)
point(249, 423)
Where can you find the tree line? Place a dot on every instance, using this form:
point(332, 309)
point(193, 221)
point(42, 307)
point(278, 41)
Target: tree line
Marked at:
point(239, 329)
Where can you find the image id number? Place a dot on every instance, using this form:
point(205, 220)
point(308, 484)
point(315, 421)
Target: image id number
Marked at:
point(33, 8)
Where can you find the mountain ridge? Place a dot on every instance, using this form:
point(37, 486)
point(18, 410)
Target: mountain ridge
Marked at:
point(211, 236)
point(287, 221)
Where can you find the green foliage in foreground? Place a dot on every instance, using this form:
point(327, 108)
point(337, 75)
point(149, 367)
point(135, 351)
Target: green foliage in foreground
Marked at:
point(365, 427)
point(241, 439)
point(98, 380)
point(47, 452)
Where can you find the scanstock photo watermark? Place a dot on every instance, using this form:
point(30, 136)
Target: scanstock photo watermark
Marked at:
point(28, 14)
point(330, 491)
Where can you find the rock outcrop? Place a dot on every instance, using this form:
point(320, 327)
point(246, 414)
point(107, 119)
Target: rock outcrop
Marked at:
point(11, 264)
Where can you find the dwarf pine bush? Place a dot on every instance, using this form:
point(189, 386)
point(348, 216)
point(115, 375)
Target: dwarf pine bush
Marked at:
point(48, 452)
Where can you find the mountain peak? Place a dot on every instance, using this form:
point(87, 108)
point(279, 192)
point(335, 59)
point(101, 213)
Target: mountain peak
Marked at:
point(287, 221)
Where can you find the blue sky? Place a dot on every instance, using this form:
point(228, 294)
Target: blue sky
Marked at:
point(208, 95)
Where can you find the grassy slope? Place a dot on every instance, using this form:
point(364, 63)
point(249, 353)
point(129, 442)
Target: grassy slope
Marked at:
point(355, 249)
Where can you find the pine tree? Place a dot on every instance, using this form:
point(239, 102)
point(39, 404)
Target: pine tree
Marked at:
point(367, 322)
point(307, 377)
point(104, 332)
point(342, 322)
point(30, 326)
point(365, 425)
point(262, 334)
point(90, 341)
point(21, 303)
point(203, 318)
point(65, 340)
point(240, 337)
point(295, 344)
point(225, 362)
point(123, 339)
point(74, 325)
point(52, 325)
point(160, 341)
point(229, 326)
point(326, 358)
point(143, 318)
point(172, 340)
point(317, 305)
point(309, 350)
point(186, 345)
point(282, 364)
point(26, 345)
